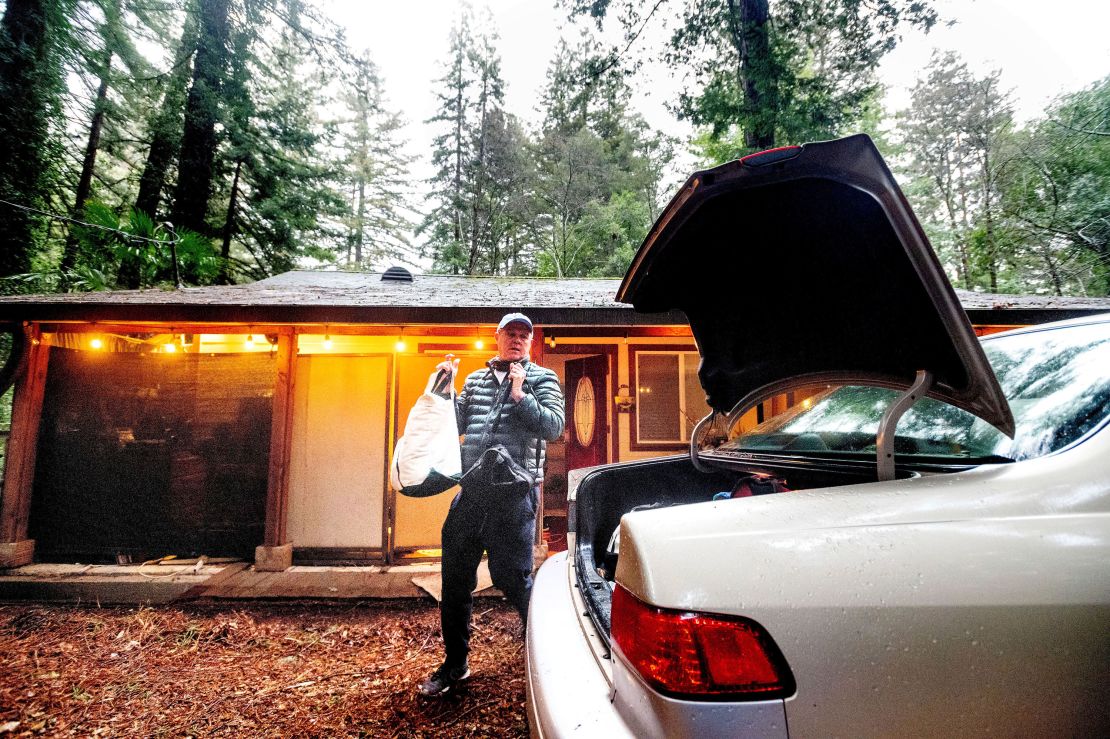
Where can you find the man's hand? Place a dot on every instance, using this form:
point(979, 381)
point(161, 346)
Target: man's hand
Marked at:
point(516, 377)
point(449, 365)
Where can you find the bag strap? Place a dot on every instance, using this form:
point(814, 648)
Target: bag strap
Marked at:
point(441, 384)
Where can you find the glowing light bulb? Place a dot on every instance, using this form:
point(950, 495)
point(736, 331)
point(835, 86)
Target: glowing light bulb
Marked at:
point(399, 346)
point(169, 348)
point(327, 343)
point(250, 340)
point(479, 344)
point(96, 344)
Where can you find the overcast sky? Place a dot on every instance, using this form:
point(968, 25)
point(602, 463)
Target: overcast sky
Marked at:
point(1043, 49)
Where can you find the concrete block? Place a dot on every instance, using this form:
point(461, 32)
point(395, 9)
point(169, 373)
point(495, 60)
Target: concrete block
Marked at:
point(273, 559)
point(17, 553)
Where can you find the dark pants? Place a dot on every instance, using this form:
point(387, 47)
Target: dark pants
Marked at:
point(478, 523)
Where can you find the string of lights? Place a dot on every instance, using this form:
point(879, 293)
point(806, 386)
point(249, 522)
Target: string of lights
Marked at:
point(134, 237)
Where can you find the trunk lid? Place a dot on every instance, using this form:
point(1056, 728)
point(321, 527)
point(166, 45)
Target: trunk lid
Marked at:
point(804, 265)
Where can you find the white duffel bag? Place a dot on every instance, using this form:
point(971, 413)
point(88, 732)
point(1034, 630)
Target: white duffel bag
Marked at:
point(426, 460)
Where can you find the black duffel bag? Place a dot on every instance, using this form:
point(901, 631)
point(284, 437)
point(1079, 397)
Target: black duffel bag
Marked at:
point(498, 473)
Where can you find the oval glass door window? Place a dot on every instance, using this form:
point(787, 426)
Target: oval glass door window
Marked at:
point(584, 411)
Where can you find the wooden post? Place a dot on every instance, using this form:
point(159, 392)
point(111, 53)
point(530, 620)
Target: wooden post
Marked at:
point(539, 547)
point(19, 466)
point(276, 554)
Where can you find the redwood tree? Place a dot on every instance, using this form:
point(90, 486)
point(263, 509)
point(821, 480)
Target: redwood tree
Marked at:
point(30, 87)
point(202, 108)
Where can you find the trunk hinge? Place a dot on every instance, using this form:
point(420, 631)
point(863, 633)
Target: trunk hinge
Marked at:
point(884, 441)
point(700, 429)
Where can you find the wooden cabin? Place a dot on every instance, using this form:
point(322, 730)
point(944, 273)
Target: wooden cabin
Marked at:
point(257, 421)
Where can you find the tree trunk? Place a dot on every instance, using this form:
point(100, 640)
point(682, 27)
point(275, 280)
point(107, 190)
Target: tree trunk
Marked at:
point(479, 172)
point(988, 215)
point(750, 32)
point(946, 187)
point(457, 204)
point(165, 128)
point(992, 250)
point(84, 183)
point(360, 229)
point(229, 227)
point(1053, 272)
point(198, 141)
point(27, 73)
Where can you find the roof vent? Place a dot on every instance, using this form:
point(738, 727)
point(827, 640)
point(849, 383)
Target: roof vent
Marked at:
point(396, 274)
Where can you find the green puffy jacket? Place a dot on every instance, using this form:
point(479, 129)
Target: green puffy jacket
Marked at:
point(487, 416)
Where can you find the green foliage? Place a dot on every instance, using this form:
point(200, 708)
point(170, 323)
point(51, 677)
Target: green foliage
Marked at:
point(571, 200)
point(133, 238)
point(770, 73)
point(297, 160)
point(1010, 210)
point(607, 235)
point(1057, 193)
point(477, 222)
point(444, 224)
point(598, 169)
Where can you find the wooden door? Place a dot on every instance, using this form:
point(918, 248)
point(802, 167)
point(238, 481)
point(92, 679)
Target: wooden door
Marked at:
point(587, 411)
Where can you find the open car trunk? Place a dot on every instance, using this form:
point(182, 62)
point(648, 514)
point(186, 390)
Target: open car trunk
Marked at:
point(607, 493)
point(868, 304)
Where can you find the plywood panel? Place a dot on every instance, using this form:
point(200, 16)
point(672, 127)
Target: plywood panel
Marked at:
point(337, 464)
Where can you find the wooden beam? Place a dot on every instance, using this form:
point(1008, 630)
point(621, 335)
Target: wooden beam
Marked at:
point(537, 345)
point(281, 440)
point(569, 333)
point(482, 331)
point(19, 466)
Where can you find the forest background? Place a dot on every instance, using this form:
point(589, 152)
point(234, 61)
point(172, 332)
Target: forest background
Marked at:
point(162, 142)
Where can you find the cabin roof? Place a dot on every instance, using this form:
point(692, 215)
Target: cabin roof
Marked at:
point(304, 296)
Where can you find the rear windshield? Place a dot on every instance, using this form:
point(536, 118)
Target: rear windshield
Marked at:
point(1057, 382)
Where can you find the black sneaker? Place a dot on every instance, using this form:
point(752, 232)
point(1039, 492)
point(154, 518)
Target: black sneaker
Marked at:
point(443, 681)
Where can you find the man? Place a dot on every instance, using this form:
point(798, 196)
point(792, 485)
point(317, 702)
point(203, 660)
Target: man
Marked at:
point(517, 404)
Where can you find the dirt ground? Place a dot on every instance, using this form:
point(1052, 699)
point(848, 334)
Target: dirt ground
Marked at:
point(253, 670)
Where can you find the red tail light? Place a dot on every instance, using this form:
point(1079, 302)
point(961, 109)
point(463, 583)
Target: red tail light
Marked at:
point(699, 655)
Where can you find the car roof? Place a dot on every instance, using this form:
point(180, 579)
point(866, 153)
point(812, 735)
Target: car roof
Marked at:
point(807, 264)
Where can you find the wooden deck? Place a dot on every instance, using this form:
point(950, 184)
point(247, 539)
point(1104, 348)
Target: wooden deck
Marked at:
point(169, 583)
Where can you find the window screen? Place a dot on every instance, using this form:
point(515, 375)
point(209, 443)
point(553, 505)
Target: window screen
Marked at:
point(145, 454)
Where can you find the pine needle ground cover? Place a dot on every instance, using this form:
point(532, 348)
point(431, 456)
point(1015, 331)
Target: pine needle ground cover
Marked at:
point(256, 670)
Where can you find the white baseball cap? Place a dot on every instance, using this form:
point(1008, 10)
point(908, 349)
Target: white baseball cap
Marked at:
point(515, 318)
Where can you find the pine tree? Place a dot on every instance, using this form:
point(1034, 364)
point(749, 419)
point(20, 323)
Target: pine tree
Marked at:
point(276, 181)
point(599, 169)
point(954, 133)
point(444, 225)
point(110, 46)
point(375, 172)
point(488, 103)
point(507, 206)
